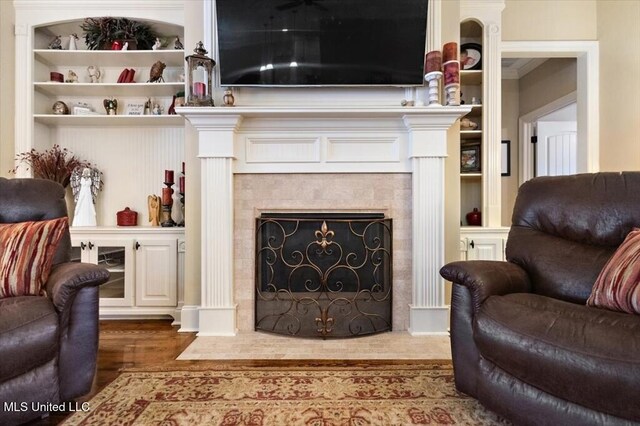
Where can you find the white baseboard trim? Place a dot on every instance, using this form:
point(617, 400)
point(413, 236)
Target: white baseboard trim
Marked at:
point(217, 321)
point(429, 321)
point(189, 319)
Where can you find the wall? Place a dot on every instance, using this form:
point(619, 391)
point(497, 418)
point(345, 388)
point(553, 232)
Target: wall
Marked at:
point(614, 23)
point(510, 114)
point(7, 93)
point(552, 80)
point(549, 20)
point(619, 34)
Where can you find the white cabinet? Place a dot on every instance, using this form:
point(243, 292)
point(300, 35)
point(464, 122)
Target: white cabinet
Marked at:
point(144, 266)
point(156, 271)
point(483, 243)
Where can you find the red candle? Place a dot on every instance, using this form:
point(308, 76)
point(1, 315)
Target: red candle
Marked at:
point(183, 167)
point(168, 176)
point(181, 183)
point(450, 52)
point(433, 61)
point(199, 89)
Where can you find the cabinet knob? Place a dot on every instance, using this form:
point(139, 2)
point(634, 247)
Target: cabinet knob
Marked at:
point(472, 244)
point(82, 245)
point(137, 246)
point(90, 245)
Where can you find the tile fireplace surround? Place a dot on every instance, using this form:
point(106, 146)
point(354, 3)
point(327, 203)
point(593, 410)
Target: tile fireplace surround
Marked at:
point(256, 159)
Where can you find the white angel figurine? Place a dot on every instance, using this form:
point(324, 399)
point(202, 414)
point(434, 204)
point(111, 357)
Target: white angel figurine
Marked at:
point(85, 184)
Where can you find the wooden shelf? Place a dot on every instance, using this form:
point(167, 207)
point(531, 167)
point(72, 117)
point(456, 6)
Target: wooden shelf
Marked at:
point(471, 77)
point(470, 134)
point(108, 89)
point(109, 120)
point(470, 175)
point(105, 58)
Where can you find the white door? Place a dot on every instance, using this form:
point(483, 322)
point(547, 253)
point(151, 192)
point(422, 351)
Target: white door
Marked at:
point(557, 147)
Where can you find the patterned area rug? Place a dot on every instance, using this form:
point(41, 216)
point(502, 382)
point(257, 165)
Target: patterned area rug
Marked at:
point(406, 394)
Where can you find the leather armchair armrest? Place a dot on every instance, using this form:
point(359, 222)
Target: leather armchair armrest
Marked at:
point(486, 278)
point(66, 279)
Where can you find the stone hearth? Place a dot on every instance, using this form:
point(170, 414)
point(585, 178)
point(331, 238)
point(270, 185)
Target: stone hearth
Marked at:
point(242, 148)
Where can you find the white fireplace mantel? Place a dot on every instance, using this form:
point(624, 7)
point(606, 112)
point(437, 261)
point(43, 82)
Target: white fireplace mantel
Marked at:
point(322, 140)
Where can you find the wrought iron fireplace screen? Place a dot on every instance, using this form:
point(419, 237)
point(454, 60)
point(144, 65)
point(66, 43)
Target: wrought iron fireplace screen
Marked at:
point(323, 275)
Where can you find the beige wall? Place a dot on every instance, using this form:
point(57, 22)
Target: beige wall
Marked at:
point(451, 14)
point(510, 115)
point(619, 35)
point(552, 80)
point(7, 77)
point(549, 20)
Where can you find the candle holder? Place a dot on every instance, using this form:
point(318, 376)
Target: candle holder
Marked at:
point(181, 223)
point(167, 204)
point(181, 192)
point(433, 65)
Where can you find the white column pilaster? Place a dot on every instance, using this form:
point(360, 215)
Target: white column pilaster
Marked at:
point(217, 312)
point(428, 150)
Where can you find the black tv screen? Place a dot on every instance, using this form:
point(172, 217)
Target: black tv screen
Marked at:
point(321, 42)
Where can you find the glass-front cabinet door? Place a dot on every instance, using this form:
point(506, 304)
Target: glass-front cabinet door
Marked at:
point(116, 255)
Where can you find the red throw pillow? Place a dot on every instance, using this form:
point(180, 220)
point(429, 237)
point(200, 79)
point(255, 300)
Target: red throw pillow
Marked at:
point(618, 285)
point(26, 253)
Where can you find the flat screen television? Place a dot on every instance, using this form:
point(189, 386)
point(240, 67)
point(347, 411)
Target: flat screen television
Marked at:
point(321, 42)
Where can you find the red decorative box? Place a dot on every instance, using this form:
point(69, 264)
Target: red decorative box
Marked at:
point(127, 217)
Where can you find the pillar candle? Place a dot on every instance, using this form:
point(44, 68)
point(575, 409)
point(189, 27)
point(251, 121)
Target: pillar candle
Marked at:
point(450, 52)
point(199, 89)
point(433, 61)
point(168, 176)
point(181, 183)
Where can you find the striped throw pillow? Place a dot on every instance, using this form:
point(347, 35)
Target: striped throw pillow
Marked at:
point(26, 253)
point(618, 285)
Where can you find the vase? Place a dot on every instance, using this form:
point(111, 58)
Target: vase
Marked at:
point(474, 218)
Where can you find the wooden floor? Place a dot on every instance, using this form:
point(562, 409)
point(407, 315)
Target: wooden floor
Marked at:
point(125, 344)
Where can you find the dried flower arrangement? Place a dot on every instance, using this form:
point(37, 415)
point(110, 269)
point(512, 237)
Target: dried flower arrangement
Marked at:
point(55, 164)
point(99, 33)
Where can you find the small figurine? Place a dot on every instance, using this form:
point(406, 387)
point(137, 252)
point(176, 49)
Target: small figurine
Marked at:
point(157, 44)
point(147, 107)
point(155, 203)
point(111, 106)
point(73, 38)
point(228, 99)
point(56, 43)
point(60, 108)
point(72, 77)
point(94, 73)
point(157, 110)
point(155, 74)
point(85, 183)
point(178, 44)
point(125, 46)
point(172, 107)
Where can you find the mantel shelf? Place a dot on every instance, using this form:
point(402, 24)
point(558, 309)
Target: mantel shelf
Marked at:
point(343, 112)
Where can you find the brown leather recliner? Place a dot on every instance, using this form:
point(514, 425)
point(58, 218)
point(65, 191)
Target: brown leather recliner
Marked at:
point(48, 345)
point(523, 341)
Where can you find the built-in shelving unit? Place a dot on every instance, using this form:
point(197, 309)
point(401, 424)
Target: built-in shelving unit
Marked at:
point(481, 87)
point(131, 151)
point(471, 88)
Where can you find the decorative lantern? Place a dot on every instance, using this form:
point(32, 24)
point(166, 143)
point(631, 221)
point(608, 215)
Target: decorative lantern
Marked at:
point(199, 77)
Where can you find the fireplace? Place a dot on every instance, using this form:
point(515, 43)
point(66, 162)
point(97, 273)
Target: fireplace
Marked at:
point(324, 275)
point(277, 143)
